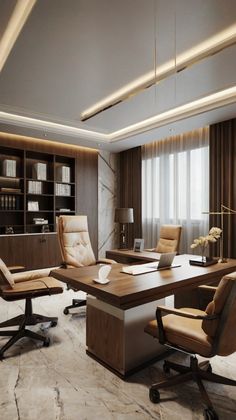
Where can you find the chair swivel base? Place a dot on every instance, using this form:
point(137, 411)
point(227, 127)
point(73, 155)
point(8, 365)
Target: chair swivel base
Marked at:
point(195, 372)
point(28, 318)
point(76, 303)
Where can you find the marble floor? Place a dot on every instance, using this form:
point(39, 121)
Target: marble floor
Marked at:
point(62, 383)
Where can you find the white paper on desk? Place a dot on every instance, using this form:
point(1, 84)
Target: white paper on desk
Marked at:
point(103, 273)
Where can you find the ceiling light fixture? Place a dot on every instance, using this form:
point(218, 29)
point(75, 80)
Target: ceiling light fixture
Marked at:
point(184, 60)
point(16, 22)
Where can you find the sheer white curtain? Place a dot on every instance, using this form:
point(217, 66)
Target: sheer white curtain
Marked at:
point(175, 186)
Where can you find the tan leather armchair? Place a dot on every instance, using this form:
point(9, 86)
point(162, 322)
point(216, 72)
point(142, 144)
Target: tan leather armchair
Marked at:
point(25, 285)
point(207, 333)
point(76, 249)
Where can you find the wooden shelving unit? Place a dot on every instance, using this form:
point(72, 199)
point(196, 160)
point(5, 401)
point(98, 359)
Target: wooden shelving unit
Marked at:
point(35, 191)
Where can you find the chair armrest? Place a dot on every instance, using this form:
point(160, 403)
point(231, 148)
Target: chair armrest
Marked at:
point(178, 312)
point(184, 314)
point(210, 289)
point(16, 268)
point(105, 261)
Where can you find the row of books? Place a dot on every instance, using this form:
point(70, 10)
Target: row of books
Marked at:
point(10, 190)
point(63, 190)
point(35, 187)
point(63, 173)
point(9, 202)
point(40, 171)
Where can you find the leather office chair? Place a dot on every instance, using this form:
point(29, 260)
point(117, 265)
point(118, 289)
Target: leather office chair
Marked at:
point(207, 333)
point(76, 248)
point(169, 239)
point(26, 285)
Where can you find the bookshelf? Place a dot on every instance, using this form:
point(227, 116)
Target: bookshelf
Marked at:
point(35, 188)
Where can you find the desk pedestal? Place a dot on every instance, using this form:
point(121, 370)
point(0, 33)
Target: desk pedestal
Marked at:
point(116, 337)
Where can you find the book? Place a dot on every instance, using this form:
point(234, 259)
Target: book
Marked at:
point(40, 171)
point(9, 168)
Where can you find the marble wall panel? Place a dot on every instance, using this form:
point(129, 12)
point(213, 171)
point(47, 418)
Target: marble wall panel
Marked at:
point(108, 200)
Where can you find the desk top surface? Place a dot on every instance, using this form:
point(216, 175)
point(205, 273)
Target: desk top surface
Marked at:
point(127, 291)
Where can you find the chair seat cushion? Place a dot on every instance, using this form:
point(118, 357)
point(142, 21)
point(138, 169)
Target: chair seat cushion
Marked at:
point(34, 288)
point(184, 332)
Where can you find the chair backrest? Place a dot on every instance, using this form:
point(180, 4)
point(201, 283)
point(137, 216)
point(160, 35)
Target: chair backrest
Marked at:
point(222, 330)
point(74, 241)
point(169, 238)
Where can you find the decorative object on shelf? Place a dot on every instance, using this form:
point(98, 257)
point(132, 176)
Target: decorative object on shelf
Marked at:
point(203, 242)
point(124, 216)
point(9, 230)
point(40, 171)
point(33, 205)
point(9, 168)
point(224, 210)
point(138, 245)
point(45, 228)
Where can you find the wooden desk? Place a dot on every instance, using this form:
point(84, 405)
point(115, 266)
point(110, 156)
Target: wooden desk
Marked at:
point(117, 312)
point(129, 256)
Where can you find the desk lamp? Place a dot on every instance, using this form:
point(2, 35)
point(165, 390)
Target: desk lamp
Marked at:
point(124, 216)
point(224, 210)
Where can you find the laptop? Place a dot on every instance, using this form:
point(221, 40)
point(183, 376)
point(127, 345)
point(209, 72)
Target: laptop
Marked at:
point(164, 263)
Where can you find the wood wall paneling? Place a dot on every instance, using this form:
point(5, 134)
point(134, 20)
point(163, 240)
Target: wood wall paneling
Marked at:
point(131, 189)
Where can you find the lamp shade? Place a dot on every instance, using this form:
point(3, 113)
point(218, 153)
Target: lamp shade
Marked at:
point(124, 215)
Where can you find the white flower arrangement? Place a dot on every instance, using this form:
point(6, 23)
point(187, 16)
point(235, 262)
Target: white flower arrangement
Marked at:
point(203, 241)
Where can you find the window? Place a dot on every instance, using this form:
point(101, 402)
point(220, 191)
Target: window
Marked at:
point(175, 186)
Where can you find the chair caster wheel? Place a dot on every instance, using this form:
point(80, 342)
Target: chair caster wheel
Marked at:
point(53, 324)
point(210, 414)
point(166, 368)
point(154, 396)
point(46, 343)
point(66, 311)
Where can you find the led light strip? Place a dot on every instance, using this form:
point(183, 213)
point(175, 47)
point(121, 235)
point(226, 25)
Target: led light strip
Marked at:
point(16, 22)
point(192, 56)
point(207, 103)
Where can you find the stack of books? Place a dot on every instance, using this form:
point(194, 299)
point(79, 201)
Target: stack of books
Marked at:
point(40, 221)
point(63, 190)
point(35, 187)
point(9, 167)
point(40, 171)
point(10, 190)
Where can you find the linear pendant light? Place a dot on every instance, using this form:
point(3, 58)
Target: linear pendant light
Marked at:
point(184, 60)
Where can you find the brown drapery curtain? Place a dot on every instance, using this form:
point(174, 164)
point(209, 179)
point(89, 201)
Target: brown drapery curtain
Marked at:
point(223, 181)
point(131, 190)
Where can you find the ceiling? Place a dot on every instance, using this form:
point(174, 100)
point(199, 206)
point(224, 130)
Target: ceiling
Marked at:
point(71, 54)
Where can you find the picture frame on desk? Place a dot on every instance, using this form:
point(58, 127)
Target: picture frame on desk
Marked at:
point(138, 245)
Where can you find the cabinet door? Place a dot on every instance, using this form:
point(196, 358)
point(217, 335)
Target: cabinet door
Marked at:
point(12, 250)
point(42, 251)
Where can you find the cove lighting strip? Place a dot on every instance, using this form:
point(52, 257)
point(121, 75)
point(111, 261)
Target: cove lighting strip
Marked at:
point(207, 103)
point(205, 49)
point(16, 22)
